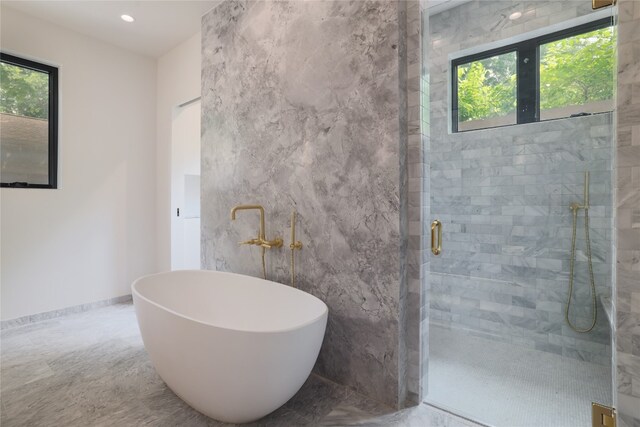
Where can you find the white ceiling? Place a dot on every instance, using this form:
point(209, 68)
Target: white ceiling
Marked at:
point(159, 25)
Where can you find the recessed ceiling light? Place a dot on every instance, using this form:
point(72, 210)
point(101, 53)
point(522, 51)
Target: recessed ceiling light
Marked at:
point(515, 15)
point(127, 18)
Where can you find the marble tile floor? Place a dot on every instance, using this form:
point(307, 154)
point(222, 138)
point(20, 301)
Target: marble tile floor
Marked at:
point(91, 369)
point(505, 385)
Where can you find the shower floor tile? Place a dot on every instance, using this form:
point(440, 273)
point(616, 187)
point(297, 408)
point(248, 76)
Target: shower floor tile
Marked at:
point(508, 386)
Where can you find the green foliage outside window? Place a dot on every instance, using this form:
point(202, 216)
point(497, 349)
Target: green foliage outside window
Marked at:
point(487, 88)
point(23, 92)
point(577, 70)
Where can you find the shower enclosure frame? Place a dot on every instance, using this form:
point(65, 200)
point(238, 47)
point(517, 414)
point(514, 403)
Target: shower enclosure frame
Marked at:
point(419, 255)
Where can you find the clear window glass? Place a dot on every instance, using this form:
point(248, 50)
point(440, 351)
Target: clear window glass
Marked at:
point(487, 92)
point(576, 74)
point(27, 132)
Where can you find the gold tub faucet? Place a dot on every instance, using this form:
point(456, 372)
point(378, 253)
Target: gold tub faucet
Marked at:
point(261, 240)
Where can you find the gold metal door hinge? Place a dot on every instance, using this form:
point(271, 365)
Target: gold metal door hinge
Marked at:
point(597, 4)
point(602, 416)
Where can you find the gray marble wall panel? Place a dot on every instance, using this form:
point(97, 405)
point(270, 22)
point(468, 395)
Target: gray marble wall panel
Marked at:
point(301, 108)
point(503, 196)
point(628, 214)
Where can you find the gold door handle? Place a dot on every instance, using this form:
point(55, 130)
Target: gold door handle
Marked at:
point(436, 249)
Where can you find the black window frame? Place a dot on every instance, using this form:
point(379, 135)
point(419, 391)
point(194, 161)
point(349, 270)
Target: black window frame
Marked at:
point(527, 72)
point(53, 118)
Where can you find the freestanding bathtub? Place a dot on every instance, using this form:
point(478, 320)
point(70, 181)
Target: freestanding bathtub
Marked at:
point(233, 347)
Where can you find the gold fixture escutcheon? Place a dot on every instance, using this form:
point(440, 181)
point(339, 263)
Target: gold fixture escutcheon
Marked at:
point(602, 416)
point(436, 228)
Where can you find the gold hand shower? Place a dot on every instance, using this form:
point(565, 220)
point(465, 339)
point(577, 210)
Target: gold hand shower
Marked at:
point(575, 207)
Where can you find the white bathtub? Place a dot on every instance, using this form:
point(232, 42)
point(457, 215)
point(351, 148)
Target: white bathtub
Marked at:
point(233, 347)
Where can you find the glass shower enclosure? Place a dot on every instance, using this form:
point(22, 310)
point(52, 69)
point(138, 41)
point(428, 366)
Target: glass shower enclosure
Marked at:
point(517, 105)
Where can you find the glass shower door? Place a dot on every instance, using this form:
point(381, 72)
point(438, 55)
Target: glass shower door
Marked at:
point(520, 99)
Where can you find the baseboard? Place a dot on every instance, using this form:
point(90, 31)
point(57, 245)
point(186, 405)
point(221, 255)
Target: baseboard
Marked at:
point(25, 320)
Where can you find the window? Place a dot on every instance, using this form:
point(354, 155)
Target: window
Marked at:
point(28, 123)
point(487, 92)
point(558, 75)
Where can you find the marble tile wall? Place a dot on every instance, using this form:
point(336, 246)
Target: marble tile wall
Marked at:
point(302, 108)
point(425, 203)
point(504, 273)
point(414, 334)
point(503, 196)
point(627, 198)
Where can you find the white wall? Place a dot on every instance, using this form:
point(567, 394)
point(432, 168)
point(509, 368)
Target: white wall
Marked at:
point(178, 82)
point(87, 240)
